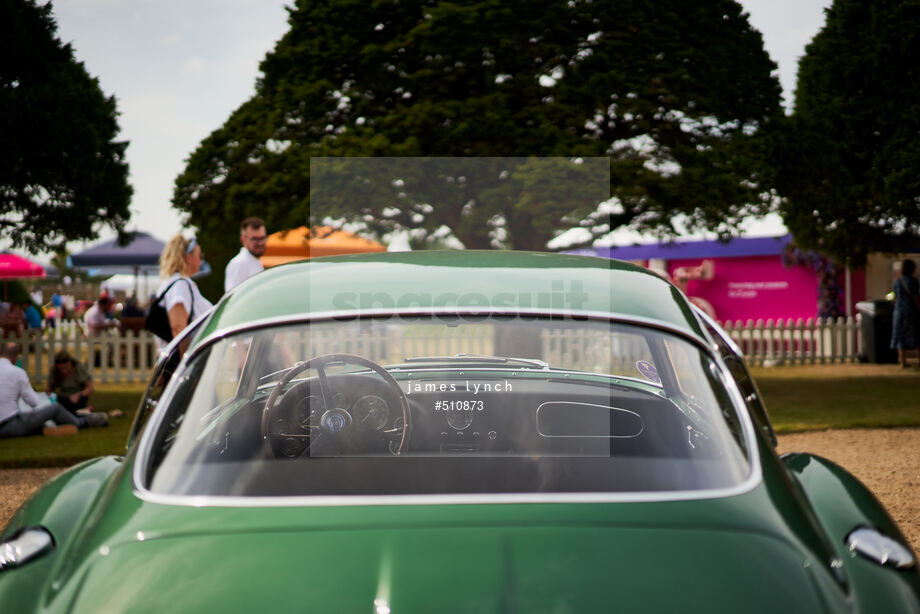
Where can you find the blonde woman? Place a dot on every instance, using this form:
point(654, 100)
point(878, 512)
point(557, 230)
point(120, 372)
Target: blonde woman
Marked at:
point(178, 294)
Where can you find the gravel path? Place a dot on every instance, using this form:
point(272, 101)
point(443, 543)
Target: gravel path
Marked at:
point(16, 485)
point(886, 460)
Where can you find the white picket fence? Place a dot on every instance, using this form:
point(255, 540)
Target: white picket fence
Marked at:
point(117, 357)
point(788, 342)
point(763, 343)
point(112, 357)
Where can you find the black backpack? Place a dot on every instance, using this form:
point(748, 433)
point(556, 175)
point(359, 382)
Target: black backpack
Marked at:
point(157, 320)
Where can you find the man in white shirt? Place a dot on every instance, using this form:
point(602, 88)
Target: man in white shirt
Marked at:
point(96, 319)
point(14, 384)
point(246, 263)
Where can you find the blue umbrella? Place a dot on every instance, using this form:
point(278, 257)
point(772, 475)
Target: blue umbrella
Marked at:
point(142, 252)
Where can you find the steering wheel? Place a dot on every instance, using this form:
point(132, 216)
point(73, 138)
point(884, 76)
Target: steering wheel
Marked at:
point(335, 422)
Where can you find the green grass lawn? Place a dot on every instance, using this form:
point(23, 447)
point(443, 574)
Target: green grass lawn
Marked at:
point(798, 398)
point(39, 451)
point(813, 397)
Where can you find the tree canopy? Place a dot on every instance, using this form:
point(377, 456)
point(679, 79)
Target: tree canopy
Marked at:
point(678, 96)
point(484, 202)
point(851, 161)
point(62, 173)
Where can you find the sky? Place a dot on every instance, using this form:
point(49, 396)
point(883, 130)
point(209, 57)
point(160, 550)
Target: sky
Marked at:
point(179, 68)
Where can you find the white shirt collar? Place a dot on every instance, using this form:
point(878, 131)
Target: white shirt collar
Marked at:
point(245, 253)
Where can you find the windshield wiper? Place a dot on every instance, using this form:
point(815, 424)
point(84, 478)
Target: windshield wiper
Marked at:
point(481, 359)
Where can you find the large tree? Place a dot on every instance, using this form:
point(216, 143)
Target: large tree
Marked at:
point(62, 173)
point(851, 161)
point(676, 94)
point(483, 202)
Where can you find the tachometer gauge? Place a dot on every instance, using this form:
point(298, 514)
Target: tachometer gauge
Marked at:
point(459, 418)
point(280, 427)
point(370, 411)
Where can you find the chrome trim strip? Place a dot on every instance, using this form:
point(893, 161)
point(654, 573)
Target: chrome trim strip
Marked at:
point(754, 477)
point(494, 499)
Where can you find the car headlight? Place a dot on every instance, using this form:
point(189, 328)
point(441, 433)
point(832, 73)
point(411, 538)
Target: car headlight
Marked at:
point(24, 546)
point(880, 548)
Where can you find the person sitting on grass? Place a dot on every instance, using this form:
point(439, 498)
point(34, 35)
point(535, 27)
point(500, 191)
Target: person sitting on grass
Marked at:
point(14, 384)
point(72, 383)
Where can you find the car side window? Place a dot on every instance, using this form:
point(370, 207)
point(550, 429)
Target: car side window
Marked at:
point(162, 372)
point(739, 372)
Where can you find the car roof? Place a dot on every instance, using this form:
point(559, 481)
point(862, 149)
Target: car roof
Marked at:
point(469, 279)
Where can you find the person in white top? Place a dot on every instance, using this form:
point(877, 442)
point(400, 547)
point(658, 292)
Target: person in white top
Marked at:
point(181, 258)
point(96, 319)
point(246, 263)
point(14, 384)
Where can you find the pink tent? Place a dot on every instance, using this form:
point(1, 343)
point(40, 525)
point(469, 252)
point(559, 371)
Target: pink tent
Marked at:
point(17, 267)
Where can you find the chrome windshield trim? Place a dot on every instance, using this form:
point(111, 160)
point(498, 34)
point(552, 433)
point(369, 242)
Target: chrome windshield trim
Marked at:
point(753, 480)
point(754, 477)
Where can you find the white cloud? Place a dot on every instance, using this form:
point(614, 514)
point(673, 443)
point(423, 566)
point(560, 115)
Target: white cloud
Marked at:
point(196, 65)
point(169, 40)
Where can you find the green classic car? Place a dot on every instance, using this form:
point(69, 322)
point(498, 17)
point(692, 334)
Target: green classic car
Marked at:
point(454, 432)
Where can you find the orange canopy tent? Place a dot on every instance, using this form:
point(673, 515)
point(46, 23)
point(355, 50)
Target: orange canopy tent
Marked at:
point(300, 243)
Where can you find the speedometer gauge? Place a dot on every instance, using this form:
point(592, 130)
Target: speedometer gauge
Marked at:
point(370, 411)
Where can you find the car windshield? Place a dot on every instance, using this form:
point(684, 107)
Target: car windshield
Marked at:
point(447, 405)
